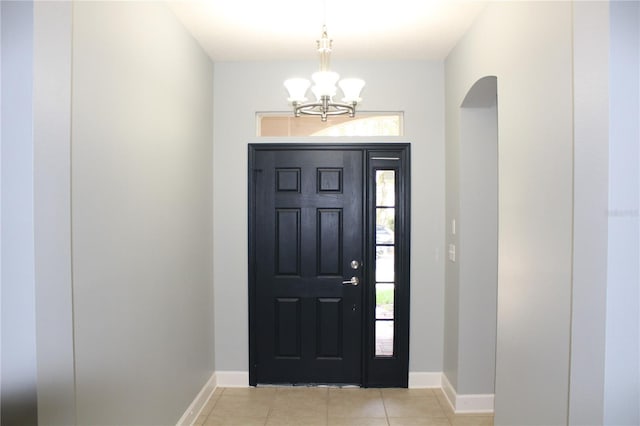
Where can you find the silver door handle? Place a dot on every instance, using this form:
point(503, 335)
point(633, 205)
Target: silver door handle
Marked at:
point(352, 281)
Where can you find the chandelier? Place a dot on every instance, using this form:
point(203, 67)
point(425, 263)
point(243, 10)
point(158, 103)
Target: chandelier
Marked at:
point(324, 88)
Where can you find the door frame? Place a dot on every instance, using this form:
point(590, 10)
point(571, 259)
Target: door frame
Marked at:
point(376, 371)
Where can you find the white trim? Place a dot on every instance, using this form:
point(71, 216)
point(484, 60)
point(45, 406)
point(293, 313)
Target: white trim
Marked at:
point(465, 404)
point(449, 392)
point(233, 379)
point(474, 403)
point(423, 380)
point(191, 415)
point(329, 139)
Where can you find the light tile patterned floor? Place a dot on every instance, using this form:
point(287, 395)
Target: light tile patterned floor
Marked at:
point(321, 406)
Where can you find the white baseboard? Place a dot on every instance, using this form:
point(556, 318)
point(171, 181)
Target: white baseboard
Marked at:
point(449, 392)
point(463, 404)
point(232, 379)
point(424, 380)
point(191, 415)
point(477, 403)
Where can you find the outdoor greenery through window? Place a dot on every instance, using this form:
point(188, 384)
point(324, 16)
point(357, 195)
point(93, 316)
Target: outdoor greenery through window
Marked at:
point(363, 124)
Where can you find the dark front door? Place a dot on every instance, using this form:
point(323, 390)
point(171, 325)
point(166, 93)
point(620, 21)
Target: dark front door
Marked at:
point(329, 264)
point(307, 241)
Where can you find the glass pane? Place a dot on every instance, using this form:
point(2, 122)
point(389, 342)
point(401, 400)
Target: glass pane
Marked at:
point(384, 301)
point(385, 268)
point(385, 261)
point(364, 124)
point(384, 338)
point(385, 188)
point(385, 225)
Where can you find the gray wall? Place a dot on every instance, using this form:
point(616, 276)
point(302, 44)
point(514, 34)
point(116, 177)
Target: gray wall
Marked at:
point(477, 252)
point(527, 46)
point(550, 60)
point(106, 214)
point(242, 89)
point(18, 356)
point(590, 86)
point(622, 354)
point(52, 212)
point(141, 209)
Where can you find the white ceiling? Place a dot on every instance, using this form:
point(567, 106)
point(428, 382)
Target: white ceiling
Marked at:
point(257, 30)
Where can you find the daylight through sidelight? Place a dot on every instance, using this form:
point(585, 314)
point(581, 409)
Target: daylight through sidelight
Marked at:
point(385, 261)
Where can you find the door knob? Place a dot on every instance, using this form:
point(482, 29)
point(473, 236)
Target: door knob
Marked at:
point(352, 281)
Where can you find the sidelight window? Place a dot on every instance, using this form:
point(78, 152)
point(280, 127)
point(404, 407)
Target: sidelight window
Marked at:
point(385, 279)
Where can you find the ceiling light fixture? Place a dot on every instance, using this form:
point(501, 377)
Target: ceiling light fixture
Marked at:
point(324, 88)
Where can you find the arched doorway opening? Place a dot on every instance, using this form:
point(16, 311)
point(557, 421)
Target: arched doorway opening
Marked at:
point(472, 267)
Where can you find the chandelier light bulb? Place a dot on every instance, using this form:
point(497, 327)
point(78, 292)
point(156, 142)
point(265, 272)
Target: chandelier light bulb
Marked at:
point(297, 88)
point(351, 88)
point(325, 83)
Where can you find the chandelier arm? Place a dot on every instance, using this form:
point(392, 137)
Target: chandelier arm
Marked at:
point(306, 108)
point(340, 112)
point(310, 112)
point(340, 105)
point(324, 108)
point(339, 109)
point(324, 105)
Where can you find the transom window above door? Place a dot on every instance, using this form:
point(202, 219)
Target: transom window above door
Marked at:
point(363, 124)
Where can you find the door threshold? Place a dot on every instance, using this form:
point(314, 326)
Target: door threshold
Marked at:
point(309, 385)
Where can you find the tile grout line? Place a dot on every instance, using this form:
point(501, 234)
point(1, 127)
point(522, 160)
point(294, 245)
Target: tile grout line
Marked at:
point(328, 400)
point(271, 403)
point(384, 405)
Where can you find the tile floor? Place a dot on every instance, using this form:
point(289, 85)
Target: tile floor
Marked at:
point(316, 406)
